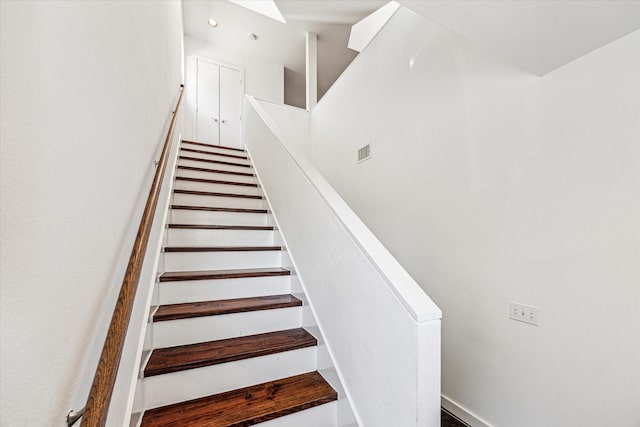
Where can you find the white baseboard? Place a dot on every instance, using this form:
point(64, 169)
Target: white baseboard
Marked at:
point(465, 415)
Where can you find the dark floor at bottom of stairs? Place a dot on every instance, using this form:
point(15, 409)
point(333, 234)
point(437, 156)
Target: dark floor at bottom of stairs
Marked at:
point(447, 419)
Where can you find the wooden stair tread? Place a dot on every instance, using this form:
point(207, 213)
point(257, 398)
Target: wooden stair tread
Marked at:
point(228, 306)
point(213, 209)
point(193, 168)
point(246, 406)
point(191, 150)
point(190, 356)
point(215, 181)
point(216, 194)
point(175, 276)
point(219, 162)
point(222, 227)
point(221, 248)
point(224, 147)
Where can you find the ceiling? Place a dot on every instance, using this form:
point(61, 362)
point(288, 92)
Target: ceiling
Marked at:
point(283, 43)
point(539, 35)
point(277, 42)
point(334, 12)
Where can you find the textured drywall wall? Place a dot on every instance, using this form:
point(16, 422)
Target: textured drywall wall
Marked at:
point(492, 185)
point(87, 89)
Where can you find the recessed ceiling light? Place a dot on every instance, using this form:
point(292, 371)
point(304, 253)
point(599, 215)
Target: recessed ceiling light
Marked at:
point(212, 22)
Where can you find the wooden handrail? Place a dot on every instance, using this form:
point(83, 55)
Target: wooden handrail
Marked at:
point(97, 407)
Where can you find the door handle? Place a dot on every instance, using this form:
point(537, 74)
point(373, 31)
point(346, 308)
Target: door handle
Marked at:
point(226, 122)
point(215, 120)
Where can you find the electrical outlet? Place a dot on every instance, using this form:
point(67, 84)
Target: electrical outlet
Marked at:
point(523, 313)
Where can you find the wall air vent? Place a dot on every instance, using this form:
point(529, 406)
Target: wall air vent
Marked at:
point(364, 153)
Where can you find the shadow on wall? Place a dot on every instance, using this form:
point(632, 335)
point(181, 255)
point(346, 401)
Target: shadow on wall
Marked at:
point(294, 88)
point(333, 59)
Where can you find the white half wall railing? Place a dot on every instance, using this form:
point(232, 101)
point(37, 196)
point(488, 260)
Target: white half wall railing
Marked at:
point(382, 331)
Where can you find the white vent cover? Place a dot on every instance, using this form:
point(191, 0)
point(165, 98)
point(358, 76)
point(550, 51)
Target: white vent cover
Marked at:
point(364, 153)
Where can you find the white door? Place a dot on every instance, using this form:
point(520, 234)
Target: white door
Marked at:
point(230, 107)
point(218, 104)
point(208, 102)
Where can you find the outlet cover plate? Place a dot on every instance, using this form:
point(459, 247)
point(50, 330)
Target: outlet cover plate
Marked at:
point(524, 313)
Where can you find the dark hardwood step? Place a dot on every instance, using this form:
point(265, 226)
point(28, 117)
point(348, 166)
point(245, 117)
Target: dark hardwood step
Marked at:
point(214, 194)
point(180, 276)
point(180, 358)
point(210, 209)
point(222, 227)
point(213, 308)
point(221, 248)
point(191, 150)
point(246, 406)
point(218, 162)
point(215, 181)
point(193, 168)
point(202, 144)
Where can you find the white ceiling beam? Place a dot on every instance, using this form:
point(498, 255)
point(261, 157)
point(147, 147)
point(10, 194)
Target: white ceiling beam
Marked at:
point(311, 59)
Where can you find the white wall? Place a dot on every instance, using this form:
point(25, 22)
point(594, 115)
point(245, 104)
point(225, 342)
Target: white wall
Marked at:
point(365, 30)
point(371, 314)
point(294, 123)
point(263, 79)
point(87, 90)
point(492, 185)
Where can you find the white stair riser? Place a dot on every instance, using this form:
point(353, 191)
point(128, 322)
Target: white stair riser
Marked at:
point(209, 165)
point(187, 216)
point(176, 387)
point(213, 148)
point(217, 201)
point(201, 237)
point(216, 188)
point(215, 156)
point(318, 416)
point(209, 290)
point(171, 333)
point(214, 175)
point(190, 261)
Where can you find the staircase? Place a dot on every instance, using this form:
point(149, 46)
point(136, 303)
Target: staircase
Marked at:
point(228, 344)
